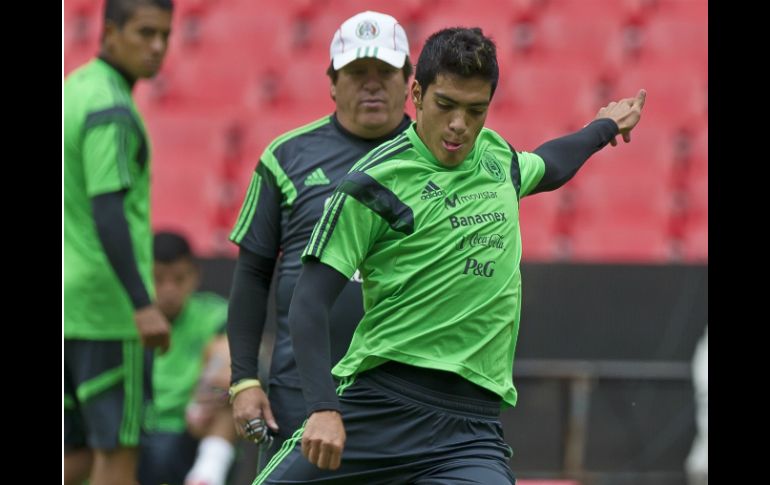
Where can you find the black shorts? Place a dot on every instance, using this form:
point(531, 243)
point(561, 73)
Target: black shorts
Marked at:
point(288, 406)
point(400, 433)
point(107, 385)
point(166, 457)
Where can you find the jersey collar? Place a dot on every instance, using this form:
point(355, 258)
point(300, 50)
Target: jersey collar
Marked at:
point(122, 74)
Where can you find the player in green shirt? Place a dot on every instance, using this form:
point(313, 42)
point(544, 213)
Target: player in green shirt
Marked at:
point(107, 251)
point(177, 426)
point(431, 221)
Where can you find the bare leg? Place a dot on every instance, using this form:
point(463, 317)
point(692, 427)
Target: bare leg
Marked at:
point(115, 467)
point(216, 451)
point(77, 465)
point(215, 427)
point(222, 425)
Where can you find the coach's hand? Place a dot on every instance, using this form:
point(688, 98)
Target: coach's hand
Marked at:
point(154, 329)
point(324, 439)
point(249, 404)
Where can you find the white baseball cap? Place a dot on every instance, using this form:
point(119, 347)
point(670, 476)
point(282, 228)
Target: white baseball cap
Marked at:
point(369, 34)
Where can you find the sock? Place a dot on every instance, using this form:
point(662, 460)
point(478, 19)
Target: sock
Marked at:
point(215, 455)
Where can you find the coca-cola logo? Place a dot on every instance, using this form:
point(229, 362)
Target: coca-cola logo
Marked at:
point(494, 241)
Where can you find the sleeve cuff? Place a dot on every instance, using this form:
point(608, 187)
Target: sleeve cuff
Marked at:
point(605, 129)
point(324, 406)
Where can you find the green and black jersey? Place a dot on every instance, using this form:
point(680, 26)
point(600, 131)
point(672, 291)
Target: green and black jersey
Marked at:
point(106, 150)
point(175, 374)
point(439, 251)
point(296, 175)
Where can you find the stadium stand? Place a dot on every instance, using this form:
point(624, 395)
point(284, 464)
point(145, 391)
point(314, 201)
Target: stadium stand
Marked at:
point(252, 64)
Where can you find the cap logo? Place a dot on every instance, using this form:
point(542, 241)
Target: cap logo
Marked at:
point(367, 30)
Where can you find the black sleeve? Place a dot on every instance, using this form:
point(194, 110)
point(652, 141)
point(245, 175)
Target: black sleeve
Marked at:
point(112, 228)
point(316, 291)
point(565, 155)
point(262, 232)
point(247, 312)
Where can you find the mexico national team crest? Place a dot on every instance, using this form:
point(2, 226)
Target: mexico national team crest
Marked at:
point(367, 30)
point(493, 167)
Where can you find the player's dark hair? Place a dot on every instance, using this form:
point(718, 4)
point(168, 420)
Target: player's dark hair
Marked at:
point(169, 247)
point(119, 11)
point(461, 51)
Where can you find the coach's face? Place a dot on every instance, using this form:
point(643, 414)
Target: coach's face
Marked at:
point(450, 115)
point(370, 96)
point(139, 46)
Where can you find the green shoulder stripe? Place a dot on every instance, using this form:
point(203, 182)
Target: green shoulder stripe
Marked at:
point(248, 209)
point(297, 132)
point(269, 162)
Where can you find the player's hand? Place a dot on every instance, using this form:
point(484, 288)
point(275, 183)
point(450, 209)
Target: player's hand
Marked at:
point(249, 405)
point(324, 439)
point(626, 113)
point(154, 329)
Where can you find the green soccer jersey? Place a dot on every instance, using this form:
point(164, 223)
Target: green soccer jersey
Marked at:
point(175, 374)
point(439, 251)
point(105, 150)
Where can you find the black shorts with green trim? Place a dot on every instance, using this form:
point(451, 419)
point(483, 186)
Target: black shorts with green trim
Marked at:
point(107, 386)
point(288, 408)
point(401, 433)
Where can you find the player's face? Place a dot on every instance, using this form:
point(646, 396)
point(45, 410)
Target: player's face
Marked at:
point(140, 45)
point(450, 115)
point(370, 97)
point(174, 282)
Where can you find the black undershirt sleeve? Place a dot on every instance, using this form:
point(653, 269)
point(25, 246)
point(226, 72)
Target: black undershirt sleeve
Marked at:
point(564, 156)
point(317, 289)
point(112, 229)
point(247, 312)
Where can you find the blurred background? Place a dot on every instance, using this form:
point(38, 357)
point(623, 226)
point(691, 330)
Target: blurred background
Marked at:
point(615, 264)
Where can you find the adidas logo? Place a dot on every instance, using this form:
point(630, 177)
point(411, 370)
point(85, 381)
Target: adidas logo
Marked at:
point(318, 177)
point(431, 191)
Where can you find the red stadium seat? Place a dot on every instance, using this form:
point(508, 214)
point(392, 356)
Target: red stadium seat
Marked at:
point(622, 213)
point(699, 153)
point(561, 92)
point(677, 92)
point(495, 19)
point(188, 149)
point(248, 32)
point(678, 30)
point(267, 59)
point(91, 6)
point(522, 130)
point(304, 86)
point(580, 31)
point(696, 242)
point(537, 221)
point(696, 235)
point(619, 240)
point(82, 26)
